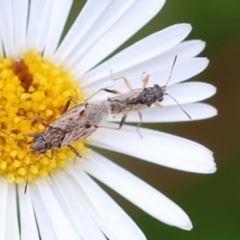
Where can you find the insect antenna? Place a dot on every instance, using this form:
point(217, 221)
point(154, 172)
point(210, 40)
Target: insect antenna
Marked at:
point(28, 170)
point(8, 135)
point(164, 87)
point(179, 105)
point(174, 61)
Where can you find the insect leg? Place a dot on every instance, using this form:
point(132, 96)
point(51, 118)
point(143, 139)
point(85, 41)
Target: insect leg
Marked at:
point(158, 104)
point(140, 122)
point(74, 151)
point(67, 105)
point(145, 80)
point(103, 89)
point(52, 153)
point(29, 135)
point(124, 79)
point(123, 120)
point(40, 121)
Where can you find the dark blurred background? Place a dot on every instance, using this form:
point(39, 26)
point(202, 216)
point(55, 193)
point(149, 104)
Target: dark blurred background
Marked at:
point(212, 201)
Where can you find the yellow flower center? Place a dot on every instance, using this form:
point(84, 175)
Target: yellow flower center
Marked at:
point(28, 87)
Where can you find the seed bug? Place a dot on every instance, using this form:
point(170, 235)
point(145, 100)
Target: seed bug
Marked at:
point(73, 125)
point(136, 100)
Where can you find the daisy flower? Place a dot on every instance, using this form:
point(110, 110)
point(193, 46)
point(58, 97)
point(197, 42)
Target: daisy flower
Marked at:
point(39, 73)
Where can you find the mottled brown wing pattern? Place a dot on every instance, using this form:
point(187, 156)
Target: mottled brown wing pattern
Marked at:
point(127, 96)
point(77, 133)
point(121, 104)
point(70, 118)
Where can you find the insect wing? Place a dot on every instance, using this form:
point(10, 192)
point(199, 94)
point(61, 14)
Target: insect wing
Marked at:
point(69, 119)
point(128, 96)
point(77, 133)
point(125, 103)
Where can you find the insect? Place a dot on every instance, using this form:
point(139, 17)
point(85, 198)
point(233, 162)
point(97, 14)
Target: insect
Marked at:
point(74, 124)
point(77, 123)
point(136, 100)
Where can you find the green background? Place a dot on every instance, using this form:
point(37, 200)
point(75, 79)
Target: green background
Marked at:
point(211, 201)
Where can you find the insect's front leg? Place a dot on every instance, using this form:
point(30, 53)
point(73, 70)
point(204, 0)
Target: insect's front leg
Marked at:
point(124, 79)
point(145, 80)
point(29, 135)
point(158, 104)
point(40, 120)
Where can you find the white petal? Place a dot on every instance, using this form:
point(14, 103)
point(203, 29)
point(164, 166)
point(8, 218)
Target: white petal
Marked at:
point(27, 219)
point(59, 14)
point(129, 23)
point(136, 191)
point(184, 51)
point(80, 28)
point(11, 220)
point(182, 71)
point(189, 92)
point(71, 195)
point(1, 47)
point(38, 14)
point(84, 201)
point(115, 218)
point(6, 27)
point(197, 111)
point(156, 147)
point(56, 212)
point(113, 11)
point(3, 203)
point(141, 51)
point(20, 14)
point(43, 220)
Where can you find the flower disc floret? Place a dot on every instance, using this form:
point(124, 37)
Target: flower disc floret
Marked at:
point(28, 87)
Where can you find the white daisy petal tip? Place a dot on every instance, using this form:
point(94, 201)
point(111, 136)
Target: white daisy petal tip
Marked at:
point(188, 226)
point(187, 26)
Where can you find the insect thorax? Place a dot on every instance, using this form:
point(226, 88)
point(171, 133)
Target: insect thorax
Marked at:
point(149, 95)
point(51, 138)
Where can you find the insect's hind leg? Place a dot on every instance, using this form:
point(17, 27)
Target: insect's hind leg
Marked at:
point(74, 151)
point(67, 105)
point(103, 89)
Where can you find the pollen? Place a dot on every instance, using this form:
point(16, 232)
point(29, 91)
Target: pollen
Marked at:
point(32, 87)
